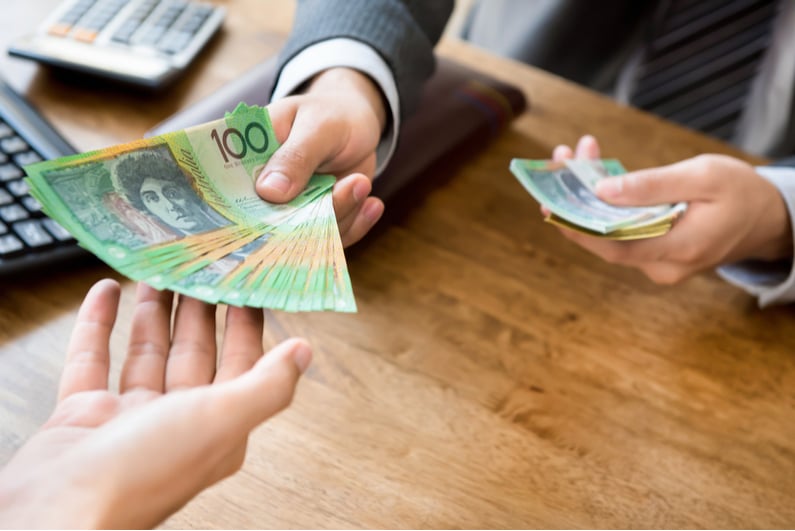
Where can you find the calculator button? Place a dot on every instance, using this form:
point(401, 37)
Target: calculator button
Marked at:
point(125, 32)
point(5, 130)
point(174, 42)
point(5, 197)
point(3, 228)
point(84, 35)
point(59, 29)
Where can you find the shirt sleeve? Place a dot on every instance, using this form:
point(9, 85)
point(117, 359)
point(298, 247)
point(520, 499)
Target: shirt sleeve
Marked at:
point(771, 282)
point(348, 53)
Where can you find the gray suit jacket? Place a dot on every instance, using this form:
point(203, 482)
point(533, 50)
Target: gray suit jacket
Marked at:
point(403, 32)
point(546, 33)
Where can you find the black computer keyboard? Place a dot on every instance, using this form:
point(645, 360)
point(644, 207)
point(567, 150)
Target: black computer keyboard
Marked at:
point(28, 239)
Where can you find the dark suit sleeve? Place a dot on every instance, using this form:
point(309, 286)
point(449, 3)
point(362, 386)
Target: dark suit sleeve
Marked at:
point(402, 32)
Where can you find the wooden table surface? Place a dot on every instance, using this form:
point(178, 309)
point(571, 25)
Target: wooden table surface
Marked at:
point(495, 375)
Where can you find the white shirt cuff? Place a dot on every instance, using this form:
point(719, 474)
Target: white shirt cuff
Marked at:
point(772, 282)
point(347, 53)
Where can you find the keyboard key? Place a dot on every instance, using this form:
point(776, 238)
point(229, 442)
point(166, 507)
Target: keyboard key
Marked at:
point(12, 213)
point(18, 187)
point(9, 244)
point(28, 157)
point(56, 230)
point(9, 172)
point(3, 228)
point(32, 233)
point(5, 197)
point(5, 130)
point(13, 144)
point(31, 204)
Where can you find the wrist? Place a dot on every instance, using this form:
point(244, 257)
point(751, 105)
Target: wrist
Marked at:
point(48, 499)
point(776, 228)
point(347, 81)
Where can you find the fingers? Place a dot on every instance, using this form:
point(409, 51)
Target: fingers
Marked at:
point(242, 345)
point(629, 253)
point(562, 153)
point(291, 166)
point(587, 148)
point(88, 353)
point(356, 212)
point(370, 213)
point(150, 338)
point(268, 387)
point(191, 359)
point(684, 181)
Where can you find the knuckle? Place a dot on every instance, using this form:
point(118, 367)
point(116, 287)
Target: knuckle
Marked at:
point(667, 276)
point(288, 156)
point(282, 384)
point(615, 254)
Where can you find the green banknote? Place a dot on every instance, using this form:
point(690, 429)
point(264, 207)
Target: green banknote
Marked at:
point(566, 189)
point(180, 211)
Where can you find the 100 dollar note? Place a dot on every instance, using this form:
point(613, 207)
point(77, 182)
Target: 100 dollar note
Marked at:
point(180, 211)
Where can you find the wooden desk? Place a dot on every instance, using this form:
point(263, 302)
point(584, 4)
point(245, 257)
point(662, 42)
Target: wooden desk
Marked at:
point(495, 375)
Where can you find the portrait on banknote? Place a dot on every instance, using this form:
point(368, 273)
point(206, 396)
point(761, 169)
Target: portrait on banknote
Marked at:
point(152, 182)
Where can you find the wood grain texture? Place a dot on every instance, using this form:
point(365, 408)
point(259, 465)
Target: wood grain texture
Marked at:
point(495, 375)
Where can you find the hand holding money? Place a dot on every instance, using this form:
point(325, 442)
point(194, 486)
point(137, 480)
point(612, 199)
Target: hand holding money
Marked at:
point(333, 126)
point(180, 212)
point(733, 214)
point(567, 189)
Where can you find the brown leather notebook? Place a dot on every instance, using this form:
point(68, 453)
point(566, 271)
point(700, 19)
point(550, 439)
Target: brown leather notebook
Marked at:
point(459, 112)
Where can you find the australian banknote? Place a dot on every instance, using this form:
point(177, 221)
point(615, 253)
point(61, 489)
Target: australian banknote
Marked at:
point(179, 211)
point(566, 189)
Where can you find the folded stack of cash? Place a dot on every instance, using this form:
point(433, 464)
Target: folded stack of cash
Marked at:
point(566, 189)
point(179, 211)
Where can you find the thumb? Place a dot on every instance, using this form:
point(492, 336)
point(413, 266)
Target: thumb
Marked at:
point(654, 186)
point(289, 169)
point(268, 387)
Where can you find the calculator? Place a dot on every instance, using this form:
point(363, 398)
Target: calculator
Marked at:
point(146, 43)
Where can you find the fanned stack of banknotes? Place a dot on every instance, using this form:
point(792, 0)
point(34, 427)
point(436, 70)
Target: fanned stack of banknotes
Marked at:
point(566, 189)
point(180, 212)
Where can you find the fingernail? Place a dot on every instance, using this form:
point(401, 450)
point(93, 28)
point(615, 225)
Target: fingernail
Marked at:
point(373, 211)
point(302, 356)
point(360, 191)
point(276, 181)
point(609, 186)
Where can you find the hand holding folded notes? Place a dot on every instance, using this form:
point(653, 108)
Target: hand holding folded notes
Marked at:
point(732, 213)
point(567, 189)
point(179, 211)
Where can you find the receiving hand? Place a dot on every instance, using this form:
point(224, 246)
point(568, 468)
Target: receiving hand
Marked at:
point(733, 214)
point(333, 127)
point(177, 425)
